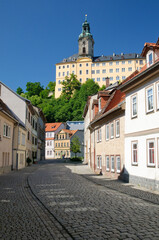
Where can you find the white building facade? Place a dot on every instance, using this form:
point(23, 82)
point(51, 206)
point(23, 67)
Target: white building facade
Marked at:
point(142, 123)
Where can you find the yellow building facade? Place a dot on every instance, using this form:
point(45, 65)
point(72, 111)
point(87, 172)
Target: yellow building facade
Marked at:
point(86, 66)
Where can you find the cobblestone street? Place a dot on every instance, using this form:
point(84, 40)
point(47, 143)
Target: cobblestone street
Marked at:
point(55, 200)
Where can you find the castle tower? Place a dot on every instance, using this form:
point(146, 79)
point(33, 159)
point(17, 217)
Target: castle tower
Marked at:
point(85, 41)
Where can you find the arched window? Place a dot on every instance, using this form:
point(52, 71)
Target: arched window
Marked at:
point(84, 50)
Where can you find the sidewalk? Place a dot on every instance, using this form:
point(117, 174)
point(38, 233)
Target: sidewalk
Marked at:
point(117, 185)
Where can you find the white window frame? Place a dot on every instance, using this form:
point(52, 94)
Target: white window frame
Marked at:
point(147, 97)
point(118, 164)
point(112, 128)
point(132, 106)
point(157, 94)
point(107, 163)
point(117, 128)
point(150, 164)
point(6, 130)
point(107, 131)
point(100, 162)
point(112, 167)
point(134, 150)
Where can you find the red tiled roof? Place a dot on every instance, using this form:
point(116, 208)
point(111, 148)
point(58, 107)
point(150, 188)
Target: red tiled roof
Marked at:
point(117, 99)
point(51, 127)
point(147, 46)
point(70, 131)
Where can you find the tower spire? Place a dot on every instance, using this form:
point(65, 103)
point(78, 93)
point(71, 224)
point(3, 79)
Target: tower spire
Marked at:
point(85, 41)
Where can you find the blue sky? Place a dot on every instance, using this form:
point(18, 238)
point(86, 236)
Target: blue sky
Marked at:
point(37, 34)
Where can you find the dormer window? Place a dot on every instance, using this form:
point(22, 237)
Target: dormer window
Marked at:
point(99, 104)
point(149, 58)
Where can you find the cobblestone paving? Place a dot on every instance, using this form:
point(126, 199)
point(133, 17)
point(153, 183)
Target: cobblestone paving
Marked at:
point(22, 216)
point(89, 209)
point(66, 201)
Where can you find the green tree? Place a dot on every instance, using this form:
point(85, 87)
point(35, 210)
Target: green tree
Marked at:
point(51, 86)
point(19, 90)
point(70, 85)
point(75, 145)
point(102, 88)
point(34, 88)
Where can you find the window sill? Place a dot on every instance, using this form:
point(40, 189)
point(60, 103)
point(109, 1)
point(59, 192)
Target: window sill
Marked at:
point(133, 117)
point(149, 112)
point(151, 166)
point(134, 164)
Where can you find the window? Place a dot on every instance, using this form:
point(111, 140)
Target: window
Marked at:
point(23, 139)
point(111, 78)
point(123, 69)
point(80, 79)
point(110, 63)
point(123, 62)
point(112, 164)
point(129, 62)
point(59, 74)
point(107, 131)
point(59, 67)
point(104, 71)
point(97, 64)
point(86, 64)
point(73, 72)
point(86, 71)
point(80, 65)
point(80, 72)
point(149, 99)
point(117, 128)
point(117, 63)
point(151, 152)
point(117, 78)
point(99, 135)
point(134, 106)
point(134, 153)
point(103, 64)
point(67, 73)
point(130, 69)
point(98, 79)
point(93, 64)
point(103, 79)
point(97, 71)
point(157, 92)
point(107, 163)
point(6, 130)
point(18, 137)
point(118, 164)
point(73, 65)
point(63, 66)
point(93, 71)
point(150, 59)
point(111, 70)
point(123, 77)
point(112, 130)
point(99, 162)
point(63, 74)
point(141, 62)
point(59, 89)
point(117, 69)
point(67, 66)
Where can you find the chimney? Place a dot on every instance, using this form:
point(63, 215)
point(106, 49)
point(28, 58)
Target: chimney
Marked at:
point(107, 82)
